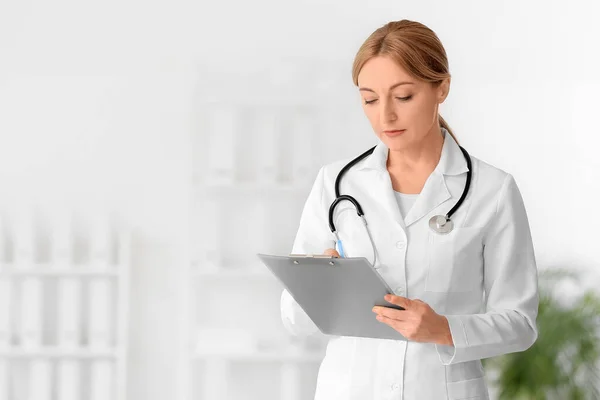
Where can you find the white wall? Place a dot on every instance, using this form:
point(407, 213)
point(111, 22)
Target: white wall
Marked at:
point(96, 107)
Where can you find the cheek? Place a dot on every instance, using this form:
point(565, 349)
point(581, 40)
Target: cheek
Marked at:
point(418, 114)
point(415, 111)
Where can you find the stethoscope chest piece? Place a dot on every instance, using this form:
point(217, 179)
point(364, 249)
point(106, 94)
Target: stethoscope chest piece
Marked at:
point(441, 224)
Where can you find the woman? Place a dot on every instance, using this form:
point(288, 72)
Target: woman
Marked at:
point(469, 294)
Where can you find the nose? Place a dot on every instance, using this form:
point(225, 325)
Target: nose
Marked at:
point(388, 114)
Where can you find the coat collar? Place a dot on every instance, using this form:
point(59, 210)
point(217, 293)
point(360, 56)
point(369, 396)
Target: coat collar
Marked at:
point(434, 192)
point(452, 161)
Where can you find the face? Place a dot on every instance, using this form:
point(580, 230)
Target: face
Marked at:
point(394, 100)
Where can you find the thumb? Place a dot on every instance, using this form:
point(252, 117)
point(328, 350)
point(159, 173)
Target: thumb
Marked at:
point(332, 252)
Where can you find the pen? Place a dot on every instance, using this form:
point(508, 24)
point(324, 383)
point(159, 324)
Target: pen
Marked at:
point(340, 248)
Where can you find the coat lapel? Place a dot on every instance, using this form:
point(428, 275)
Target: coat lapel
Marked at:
point(435, 191)
point(380, 183)
point(386, 193)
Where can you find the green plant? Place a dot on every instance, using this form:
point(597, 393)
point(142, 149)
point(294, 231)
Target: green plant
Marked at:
point(563, 362)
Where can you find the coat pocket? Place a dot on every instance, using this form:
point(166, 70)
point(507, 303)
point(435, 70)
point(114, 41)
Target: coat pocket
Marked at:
point(455, 260)
point(469, 389)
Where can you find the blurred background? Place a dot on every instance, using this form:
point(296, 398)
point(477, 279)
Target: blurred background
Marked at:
point(148, 151)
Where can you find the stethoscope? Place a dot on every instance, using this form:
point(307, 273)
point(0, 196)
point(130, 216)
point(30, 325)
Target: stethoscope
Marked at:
point(441, 224)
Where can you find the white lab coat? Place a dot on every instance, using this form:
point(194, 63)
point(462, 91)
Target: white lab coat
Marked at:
point(482, 277)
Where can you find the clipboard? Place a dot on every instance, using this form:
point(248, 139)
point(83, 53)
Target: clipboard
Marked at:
point(337, 294)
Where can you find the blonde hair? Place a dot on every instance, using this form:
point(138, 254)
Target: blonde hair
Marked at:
point(412, 45)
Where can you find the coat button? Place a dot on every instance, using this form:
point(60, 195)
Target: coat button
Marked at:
point(400, 244)
point(400, 290)
point(395, 386)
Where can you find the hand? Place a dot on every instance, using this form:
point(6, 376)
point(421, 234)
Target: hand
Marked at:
point(332, 252)
point(417, 322)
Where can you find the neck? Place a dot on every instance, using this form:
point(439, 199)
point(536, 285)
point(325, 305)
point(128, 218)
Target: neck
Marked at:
point(420, 158)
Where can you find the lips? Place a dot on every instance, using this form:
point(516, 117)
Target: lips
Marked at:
point(394, 132)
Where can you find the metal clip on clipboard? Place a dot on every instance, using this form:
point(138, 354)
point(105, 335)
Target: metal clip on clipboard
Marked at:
point(325, 256)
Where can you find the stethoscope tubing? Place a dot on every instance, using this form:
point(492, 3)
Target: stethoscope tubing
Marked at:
point(444, 227)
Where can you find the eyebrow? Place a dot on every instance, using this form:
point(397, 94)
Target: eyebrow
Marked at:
point(391, 87)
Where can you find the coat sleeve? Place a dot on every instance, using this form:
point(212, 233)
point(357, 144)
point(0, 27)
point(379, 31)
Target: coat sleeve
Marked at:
point(313, 237)
point(511, 288)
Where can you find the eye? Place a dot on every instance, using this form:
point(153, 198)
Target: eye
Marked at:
point(399, 98)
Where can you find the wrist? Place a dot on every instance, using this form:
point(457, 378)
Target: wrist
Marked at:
point(446, 335)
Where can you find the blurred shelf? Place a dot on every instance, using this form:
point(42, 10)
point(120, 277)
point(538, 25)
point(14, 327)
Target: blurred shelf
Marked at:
point(232, 273)
point(250, 188)
point(238, 270)
point(57, 352)
point(278, 100)
point(49, 270)
point(258, 356)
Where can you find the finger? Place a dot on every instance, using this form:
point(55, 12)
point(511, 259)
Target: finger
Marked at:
point(388, 321)
point(398, 300)
point(392, 313)
point(332, 252)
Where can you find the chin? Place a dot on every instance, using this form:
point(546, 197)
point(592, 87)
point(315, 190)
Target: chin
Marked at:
point(394, 143)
